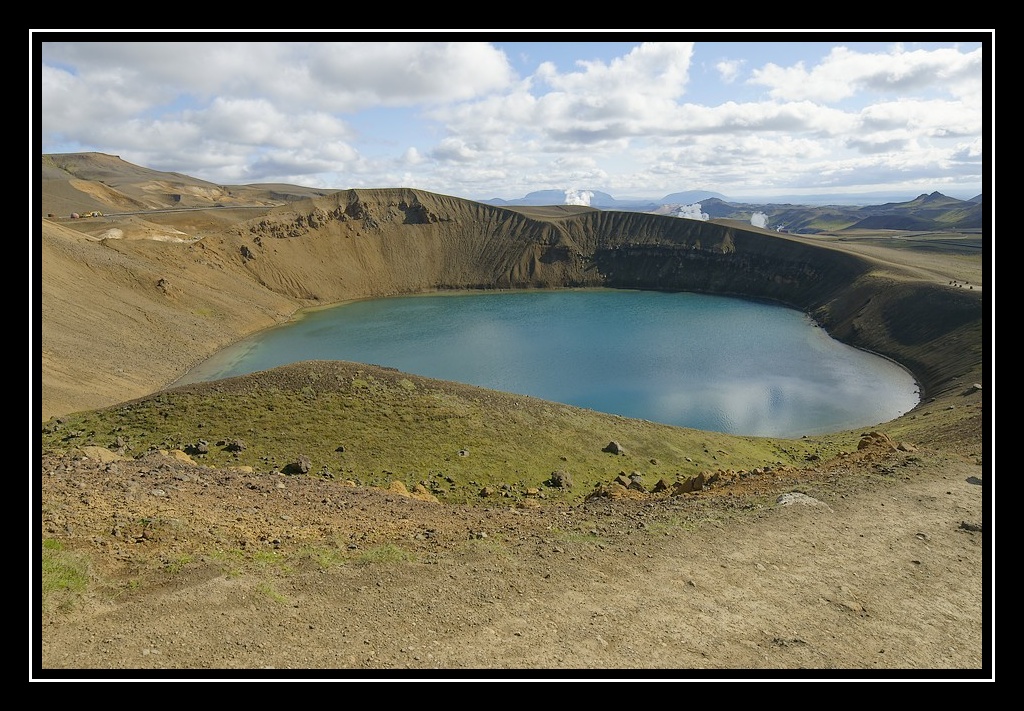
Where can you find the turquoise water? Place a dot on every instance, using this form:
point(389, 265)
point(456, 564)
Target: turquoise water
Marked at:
point(693, 360)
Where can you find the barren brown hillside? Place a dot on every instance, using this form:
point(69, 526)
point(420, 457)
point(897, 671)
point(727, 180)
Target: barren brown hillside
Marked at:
point(846, 554)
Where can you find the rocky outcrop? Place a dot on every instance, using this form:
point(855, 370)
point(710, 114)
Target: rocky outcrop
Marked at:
point(623, 486)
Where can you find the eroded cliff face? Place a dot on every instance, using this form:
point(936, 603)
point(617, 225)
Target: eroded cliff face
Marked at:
point(935, 332)
point(410, 241)
point(356, 244)
point(369, 243)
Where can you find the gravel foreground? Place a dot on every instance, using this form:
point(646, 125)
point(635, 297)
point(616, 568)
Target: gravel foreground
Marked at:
point(869, 565)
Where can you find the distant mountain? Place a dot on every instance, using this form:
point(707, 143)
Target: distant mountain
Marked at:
point(926, 211)
point(604, 201)
point(820, 200)
point(593, 198)
point(933, 211)
point(690, 197)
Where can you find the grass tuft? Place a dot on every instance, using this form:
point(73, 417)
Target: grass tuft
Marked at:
point(268, 590)
point(387, 553)
point(65, 576)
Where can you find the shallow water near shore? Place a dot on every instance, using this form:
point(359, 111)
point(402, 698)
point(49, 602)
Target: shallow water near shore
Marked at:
point(693, 360)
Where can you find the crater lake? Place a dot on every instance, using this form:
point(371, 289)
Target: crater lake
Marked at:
point(706, 362)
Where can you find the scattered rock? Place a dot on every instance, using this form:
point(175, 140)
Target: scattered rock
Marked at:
point(101, 454)
point(397, 487)
point(614, 447)
point(694, 483)
point(875, 439)
point(301, 465)
point(795, 497)
point(560, 479)
point(421, 493)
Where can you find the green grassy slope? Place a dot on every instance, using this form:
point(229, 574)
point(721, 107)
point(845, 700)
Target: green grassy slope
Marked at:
point(375, 425)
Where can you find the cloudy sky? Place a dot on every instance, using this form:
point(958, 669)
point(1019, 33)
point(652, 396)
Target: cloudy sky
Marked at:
point(750, 116)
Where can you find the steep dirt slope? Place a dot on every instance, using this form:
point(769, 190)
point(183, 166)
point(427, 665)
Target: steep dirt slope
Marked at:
point(120, 317)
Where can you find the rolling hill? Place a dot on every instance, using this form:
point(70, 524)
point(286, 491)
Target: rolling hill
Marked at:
point(87, 182)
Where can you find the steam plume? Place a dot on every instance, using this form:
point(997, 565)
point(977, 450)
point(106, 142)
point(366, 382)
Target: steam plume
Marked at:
point(691, 212)
point(578, 197)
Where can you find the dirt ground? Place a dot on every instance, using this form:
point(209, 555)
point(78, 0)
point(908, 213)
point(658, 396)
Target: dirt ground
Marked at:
point(876, 571)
